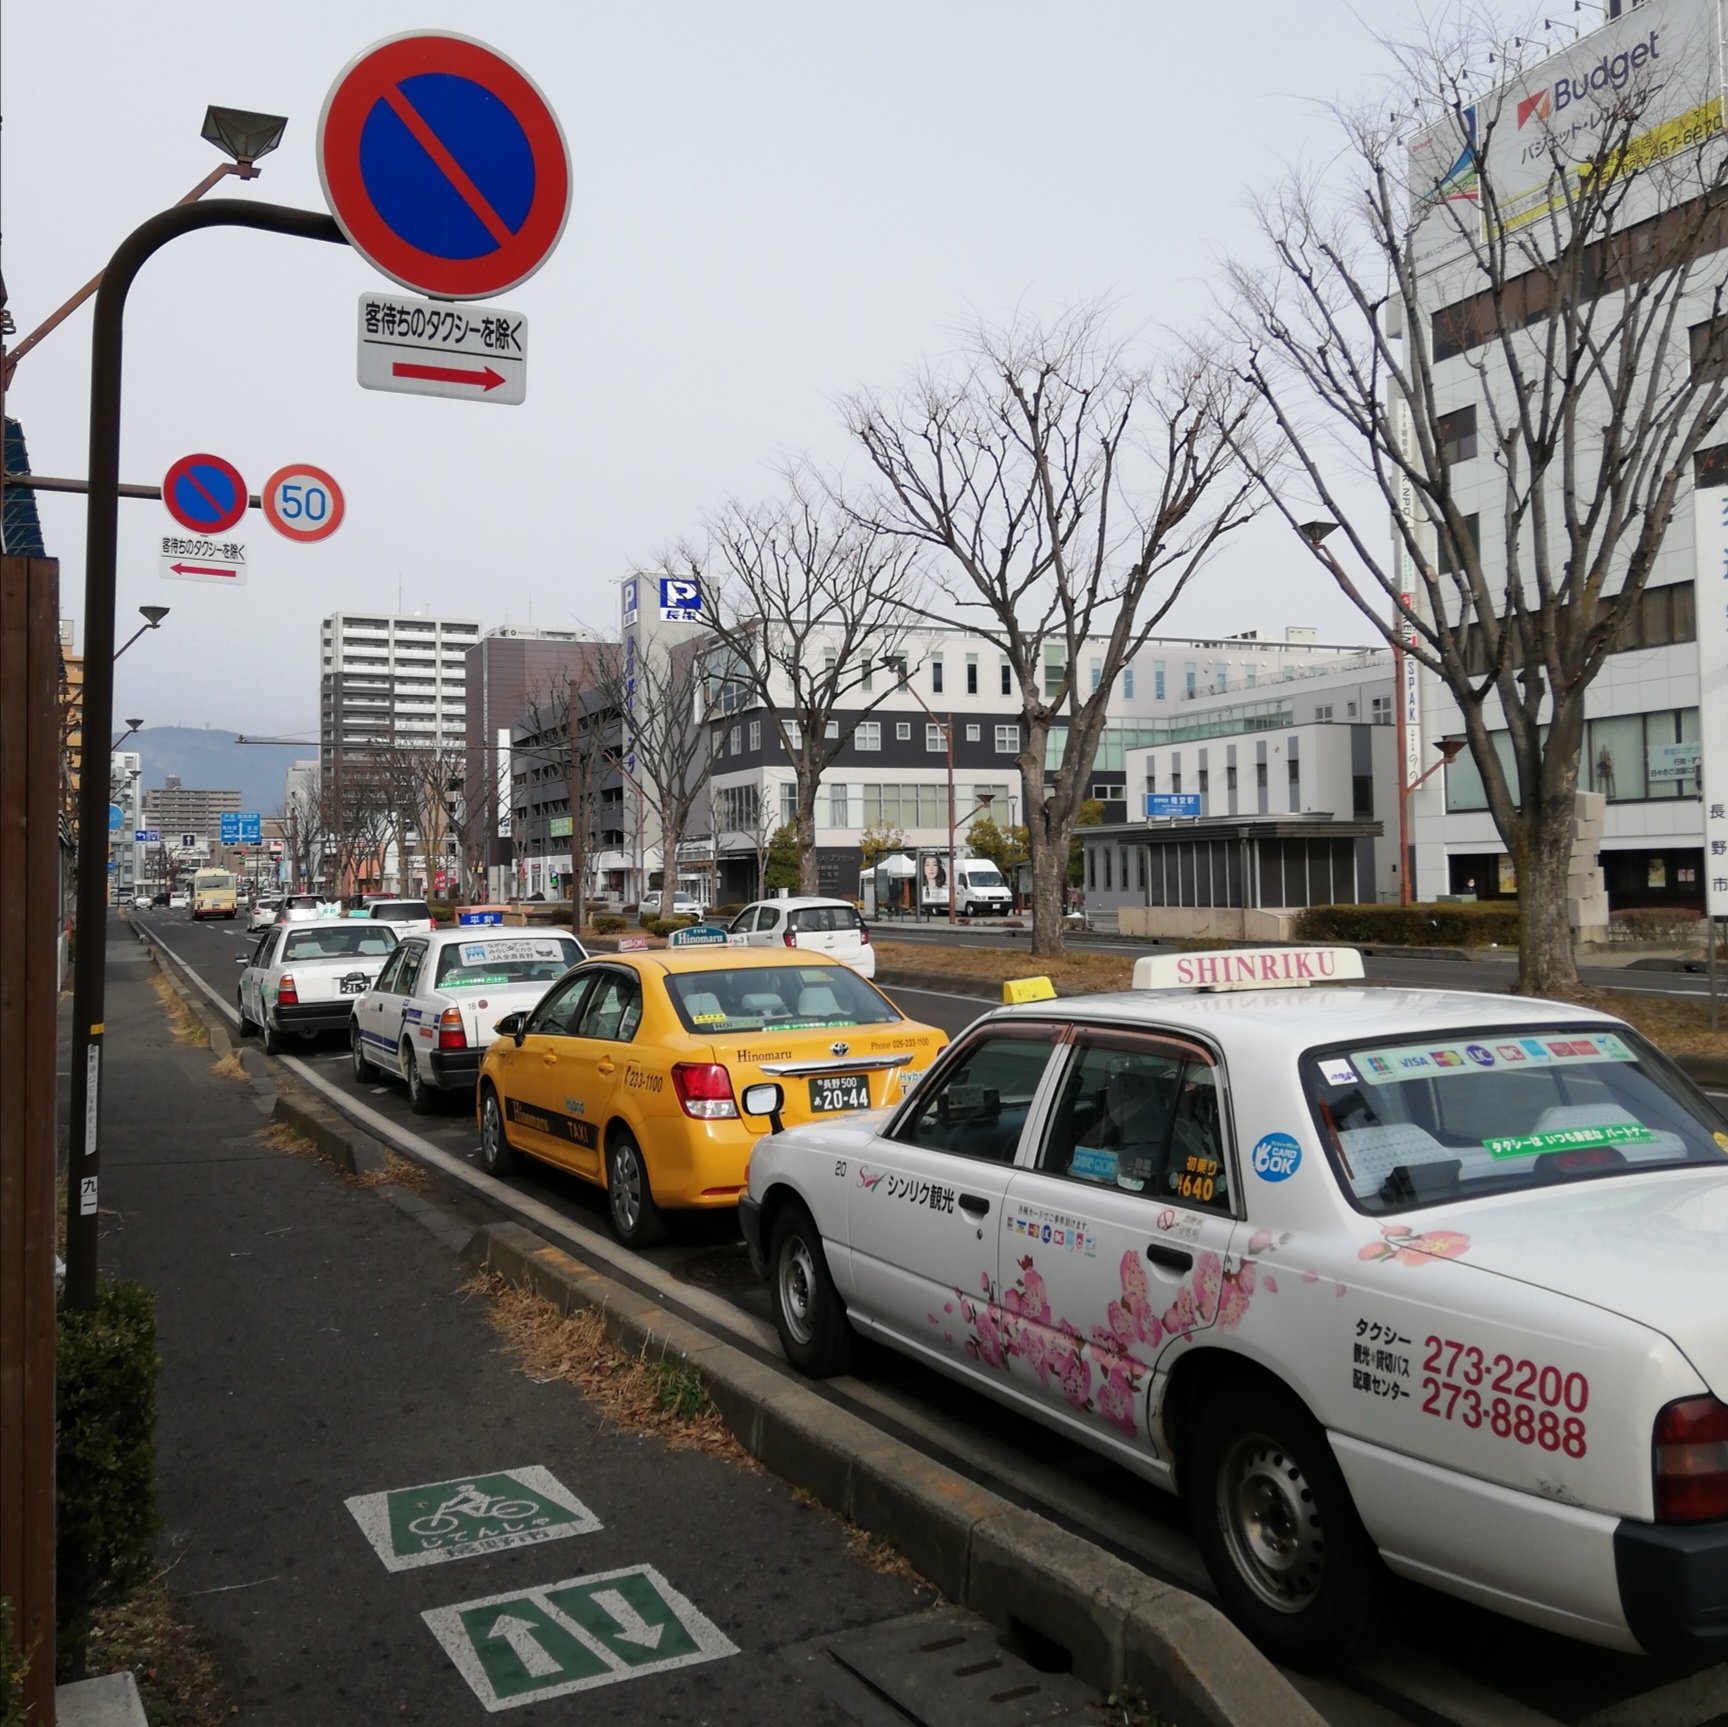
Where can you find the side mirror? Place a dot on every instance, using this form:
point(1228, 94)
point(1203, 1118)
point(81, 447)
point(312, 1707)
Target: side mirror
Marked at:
point(242, 959)
point(765, 1098)
point(512, 1025)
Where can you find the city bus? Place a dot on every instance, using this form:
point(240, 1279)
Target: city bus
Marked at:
point(213, 894)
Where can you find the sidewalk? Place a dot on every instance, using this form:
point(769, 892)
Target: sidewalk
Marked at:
point(316, 1346)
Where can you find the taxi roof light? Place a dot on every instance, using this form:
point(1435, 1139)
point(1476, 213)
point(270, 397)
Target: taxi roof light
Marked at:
point(1018, 989)
point(1248, 968)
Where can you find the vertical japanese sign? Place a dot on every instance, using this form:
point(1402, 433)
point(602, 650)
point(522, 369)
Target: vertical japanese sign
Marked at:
point(1409, 589)
point(1710, 521)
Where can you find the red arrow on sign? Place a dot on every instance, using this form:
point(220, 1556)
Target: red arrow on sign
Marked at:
point(486, 380)
point(203, 570)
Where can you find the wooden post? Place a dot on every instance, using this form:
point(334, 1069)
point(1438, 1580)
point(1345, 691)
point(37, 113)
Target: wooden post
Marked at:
point(29, 993)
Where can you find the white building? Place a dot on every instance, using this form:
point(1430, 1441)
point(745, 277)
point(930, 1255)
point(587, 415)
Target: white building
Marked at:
point(129, 858)
point(1641, 748)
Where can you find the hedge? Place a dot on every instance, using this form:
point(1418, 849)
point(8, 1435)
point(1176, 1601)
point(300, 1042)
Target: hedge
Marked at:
point(105, 1460)
point(1468, 924)
point(610, 926)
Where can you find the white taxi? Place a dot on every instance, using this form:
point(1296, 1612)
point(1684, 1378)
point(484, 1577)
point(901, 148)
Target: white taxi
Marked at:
point(437, 1002)
point(1397, 1279)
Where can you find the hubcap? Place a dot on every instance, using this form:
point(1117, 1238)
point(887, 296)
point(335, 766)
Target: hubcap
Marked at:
point(1271, 1523)
point(626, 1187)
point(410, 1072)
point(798, 1289)
point(490, 1130)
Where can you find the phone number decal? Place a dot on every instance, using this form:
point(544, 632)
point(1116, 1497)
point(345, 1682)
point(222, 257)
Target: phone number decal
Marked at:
point(1517, 1400)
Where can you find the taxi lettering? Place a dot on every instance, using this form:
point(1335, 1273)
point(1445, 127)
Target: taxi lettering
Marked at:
point(637, 1080)
point(1292, 966)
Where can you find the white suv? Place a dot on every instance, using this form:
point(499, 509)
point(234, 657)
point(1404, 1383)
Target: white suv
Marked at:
point(830, 926)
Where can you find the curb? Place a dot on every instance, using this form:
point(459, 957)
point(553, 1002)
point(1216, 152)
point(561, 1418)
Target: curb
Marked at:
point(1010, 1566)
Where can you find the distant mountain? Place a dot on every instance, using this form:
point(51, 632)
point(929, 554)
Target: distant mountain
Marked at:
point(209, 760)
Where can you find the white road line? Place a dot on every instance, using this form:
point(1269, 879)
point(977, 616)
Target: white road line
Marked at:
point(598, 1250)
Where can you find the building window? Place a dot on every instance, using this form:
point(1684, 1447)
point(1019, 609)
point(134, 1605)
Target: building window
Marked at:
point(974, 733)
point(1190, 674)
point(838, 816)
point(1362, 797)
point(1157, 680)
point(1260, 776)
point(1055, 672)
point(1458, 435)
point(1007, 740)
point(1007, 679)
point(755, 735)
point(1140, 854)
point(1223, 678)
point(936, 738)
point(720, 741)
point(971, 674)
point(831, 731)
point(1230, 777)
point(788, 802)
point(1205, 784)
point(1253, 675)
point(1295, 773)
point(1127, 683)
point(1096, 673)
point(1444, 561)
point(897, 663)
point(735, 735)
point(1350, 710)
point(829, 660)
point(868, 736)
point(935, 677)
point(1710, 347)
point(1107, 882)
point(1380, 710)
point(1092, 866)
point(903, 731)
point(1322, 713)
point(794, 734)
point(868, 680)
point(1176, 778)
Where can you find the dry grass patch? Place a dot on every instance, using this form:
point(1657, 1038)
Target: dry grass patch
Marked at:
point(231, 1067)
point(176, 1673)
point(182, 1021)
point(635, 1392)
point(1072, 973)
point(397, 1172)
point(279, 1136)
point(1678, 1024)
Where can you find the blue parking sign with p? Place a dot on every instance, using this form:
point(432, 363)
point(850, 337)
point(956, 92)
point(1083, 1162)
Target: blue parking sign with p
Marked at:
point(680, 600)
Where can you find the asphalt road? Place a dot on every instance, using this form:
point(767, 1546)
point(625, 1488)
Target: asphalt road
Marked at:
point(1452, 1664)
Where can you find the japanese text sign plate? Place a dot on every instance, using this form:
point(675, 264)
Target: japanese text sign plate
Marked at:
point(441, 1520)
point(424, 348)
point(195, 558)
point(443, 164)
point(529, 1644)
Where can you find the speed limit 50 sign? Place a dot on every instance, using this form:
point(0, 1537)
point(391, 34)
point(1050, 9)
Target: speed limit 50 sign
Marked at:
point(303, 502)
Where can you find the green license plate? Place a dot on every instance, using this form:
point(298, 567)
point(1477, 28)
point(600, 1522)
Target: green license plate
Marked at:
point(834, 1091)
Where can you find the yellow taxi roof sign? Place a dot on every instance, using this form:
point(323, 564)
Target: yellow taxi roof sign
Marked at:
point(1018, 989)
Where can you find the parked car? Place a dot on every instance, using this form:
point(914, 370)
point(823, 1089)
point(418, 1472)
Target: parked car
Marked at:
point(681, 905)
point(301, 907)
point(159, 900)
point(831, 926)
point(436, 1003)
point(302, 977)
point(406, 916)
point(179, 900)
point(627, 1072)
point(265, 910)
point(1417, 1281)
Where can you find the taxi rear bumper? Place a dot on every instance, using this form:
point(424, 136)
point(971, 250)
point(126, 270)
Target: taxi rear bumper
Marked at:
point(1673, 1581)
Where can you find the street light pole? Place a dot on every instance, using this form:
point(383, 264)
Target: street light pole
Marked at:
point(102, 523)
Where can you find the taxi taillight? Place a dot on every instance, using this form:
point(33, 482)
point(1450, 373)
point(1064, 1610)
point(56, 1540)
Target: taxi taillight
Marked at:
point(451, 1034)
point(863, 935)
point(286, 994)
point(1691, 1461)
point(704, 1089)
point(791, 938)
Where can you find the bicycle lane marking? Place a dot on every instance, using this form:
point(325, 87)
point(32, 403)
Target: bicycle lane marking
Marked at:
point(602, 1250)
point(467, 1515)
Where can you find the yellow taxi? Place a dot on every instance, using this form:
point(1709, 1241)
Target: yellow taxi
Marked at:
point(629, 1070)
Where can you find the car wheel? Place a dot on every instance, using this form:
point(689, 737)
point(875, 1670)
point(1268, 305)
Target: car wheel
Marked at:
point(246, 1027)
point(636, 1219)
point(1276, 1526)
point(808, 1312)
point(420, 1098)
point(364, 1070)
point(497, 1155)
point(274, 1042)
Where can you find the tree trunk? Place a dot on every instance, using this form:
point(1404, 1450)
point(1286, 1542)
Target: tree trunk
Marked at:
point(1546, 962)
point(1049, 852)
point(809, 880)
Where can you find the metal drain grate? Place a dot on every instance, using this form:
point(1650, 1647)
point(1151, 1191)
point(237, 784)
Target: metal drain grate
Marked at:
point(725, 1268)
point(944, 1668)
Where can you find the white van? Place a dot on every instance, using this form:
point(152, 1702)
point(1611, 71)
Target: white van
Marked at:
point(979, 890)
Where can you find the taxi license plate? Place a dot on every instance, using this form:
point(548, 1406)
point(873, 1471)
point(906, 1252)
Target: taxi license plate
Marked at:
point(355, 984)
point(834, 1091)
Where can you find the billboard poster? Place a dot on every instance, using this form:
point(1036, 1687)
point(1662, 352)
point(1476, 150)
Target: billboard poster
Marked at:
point(1710, 525)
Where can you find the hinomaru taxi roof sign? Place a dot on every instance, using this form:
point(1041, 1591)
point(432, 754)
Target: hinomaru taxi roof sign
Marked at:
point(1249, 968)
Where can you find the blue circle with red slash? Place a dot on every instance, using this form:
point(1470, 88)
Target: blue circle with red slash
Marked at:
point(444, 165)
point(204, 493)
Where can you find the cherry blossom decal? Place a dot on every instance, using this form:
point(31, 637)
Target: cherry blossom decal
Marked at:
point(1401, 1244)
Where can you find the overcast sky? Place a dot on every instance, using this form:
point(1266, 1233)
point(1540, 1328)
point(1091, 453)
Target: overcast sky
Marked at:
point(775, 202)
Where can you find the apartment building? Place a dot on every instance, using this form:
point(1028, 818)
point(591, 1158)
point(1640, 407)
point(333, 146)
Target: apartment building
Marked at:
point(388, 681)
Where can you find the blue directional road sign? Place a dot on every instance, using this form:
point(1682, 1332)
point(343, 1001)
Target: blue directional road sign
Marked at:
point(146, 837)
point(1165, 804)
point(241, 828)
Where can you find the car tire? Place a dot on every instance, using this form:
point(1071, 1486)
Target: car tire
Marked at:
point(274, 1042)
point(497, 1155)
point(1275, 1523)
point(246, 1028)
point(809, 1315)
point(636, 1220)
point(420, 1096)
point(364, 1069)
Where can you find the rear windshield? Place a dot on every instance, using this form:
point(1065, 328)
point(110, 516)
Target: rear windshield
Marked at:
point(826, 917)
point(303, 944)
point(500, 960)
point(213, 881)
point(776, 998)
point(1408, 1124)
point(403, 911)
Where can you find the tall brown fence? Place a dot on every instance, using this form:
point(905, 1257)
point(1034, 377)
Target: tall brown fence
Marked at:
point(29, 994)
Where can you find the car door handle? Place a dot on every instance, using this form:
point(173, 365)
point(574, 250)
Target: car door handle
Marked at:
point(1171, 1258)
point(976, 1203)
point(548, 1060)
point(605, 1065)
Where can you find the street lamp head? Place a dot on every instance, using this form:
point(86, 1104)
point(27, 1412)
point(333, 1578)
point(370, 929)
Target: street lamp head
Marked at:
point(1315, 532)
point(134, 724)
point(243, 135)
point(1450, 749)
point(153, 615)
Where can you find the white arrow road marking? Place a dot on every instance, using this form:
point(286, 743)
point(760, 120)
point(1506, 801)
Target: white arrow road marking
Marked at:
point(519, 1634)
point(633, 1628)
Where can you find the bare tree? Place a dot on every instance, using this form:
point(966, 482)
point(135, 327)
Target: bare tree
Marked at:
point(1541, 274)
point(1071, 497)
point(647, 710)
point(577, 753)
point(807, 605)
point(356, 818)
